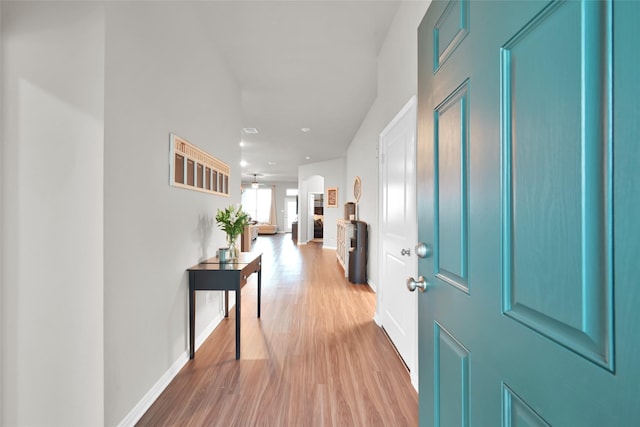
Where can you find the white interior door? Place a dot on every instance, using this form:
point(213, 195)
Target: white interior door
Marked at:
point(397, 308)
point(289, 212)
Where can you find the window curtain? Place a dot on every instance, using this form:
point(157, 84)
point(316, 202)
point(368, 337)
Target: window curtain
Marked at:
point(272, 211)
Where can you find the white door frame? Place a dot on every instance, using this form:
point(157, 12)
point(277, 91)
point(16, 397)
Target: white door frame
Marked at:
point(409, 108)
point(310, 212)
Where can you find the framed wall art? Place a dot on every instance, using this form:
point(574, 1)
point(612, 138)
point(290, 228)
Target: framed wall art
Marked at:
point(194, 169)
point(332, 197)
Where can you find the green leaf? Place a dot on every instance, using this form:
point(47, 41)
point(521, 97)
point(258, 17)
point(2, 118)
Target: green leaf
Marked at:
point(232, 220)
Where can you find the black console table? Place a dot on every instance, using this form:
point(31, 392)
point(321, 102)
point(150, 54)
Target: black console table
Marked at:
point(213, 275)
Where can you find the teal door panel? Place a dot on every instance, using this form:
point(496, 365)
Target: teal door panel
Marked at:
point(529, 197)
point(451, 182)
point(556, 178)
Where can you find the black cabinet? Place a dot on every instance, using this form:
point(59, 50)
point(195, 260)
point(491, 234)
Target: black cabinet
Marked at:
point(358, 253)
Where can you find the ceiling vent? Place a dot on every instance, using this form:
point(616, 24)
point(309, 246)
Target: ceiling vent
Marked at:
point(250, 130)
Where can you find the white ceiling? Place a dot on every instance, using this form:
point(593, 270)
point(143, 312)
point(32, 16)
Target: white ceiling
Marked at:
point(300, 64)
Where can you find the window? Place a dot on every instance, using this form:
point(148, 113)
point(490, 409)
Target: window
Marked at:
point(257, 203)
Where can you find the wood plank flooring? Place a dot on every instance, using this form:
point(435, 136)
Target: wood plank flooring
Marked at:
point(315, 358)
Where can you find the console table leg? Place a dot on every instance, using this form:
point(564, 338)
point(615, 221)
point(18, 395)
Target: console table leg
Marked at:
point(238, 292)
point(192, 314)
point(226, 303)
point(259, 290)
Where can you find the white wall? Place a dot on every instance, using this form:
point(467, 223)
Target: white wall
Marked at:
point(333, 173)
point(52, 214)
point(162, 75)
point(397, 83)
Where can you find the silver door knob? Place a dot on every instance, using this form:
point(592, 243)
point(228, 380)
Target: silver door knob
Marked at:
point(423, 250)
point(421, 284)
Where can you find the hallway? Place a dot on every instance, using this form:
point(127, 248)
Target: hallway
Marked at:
point(315, 358)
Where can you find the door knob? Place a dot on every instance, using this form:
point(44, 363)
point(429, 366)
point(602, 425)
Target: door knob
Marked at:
point(421, 284)
point(405, 252)
point(423, 250)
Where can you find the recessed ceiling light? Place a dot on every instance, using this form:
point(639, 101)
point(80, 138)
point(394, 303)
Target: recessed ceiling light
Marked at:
point(308, 157)
point(305, 129)
point(250, 130)
point(271, 163)
point(241, 143)
point(243, 163)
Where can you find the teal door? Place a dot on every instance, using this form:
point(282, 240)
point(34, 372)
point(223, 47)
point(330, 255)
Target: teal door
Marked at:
point(529, 203)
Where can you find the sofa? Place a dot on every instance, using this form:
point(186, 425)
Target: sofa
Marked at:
point(266, 228)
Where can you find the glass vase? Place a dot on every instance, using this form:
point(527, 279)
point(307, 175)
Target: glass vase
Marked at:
point(233, 249)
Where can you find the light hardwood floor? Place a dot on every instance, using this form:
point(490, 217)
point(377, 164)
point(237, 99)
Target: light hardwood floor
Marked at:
point(315, 358)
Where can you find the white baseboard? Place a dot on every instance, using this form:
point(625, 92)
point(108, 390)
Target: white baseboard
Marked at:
point(147, 400)
point(414, 380)
point(376, 319)
point(372, 285)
